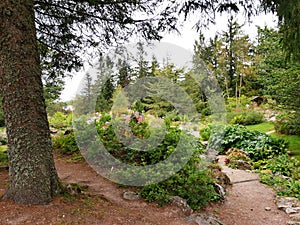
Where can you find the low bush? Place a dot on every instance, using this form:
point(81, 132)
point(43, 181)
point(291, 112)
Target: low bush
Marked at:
point(65, 143)
point(60, 120)
point(258, 145)
point(3, 141)
point(288, 123)
point(190, 183)
point(205, 133)
point(241, 103)
point(3, 155)
point(245, 118)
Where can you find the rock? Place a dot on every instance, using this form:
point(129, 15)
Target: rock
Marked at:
point(287, 202)
point(75, 189)
point(268, 209)
point(132, 196)
point(220, 191)
point(295, 217)
point(291, 206)
point(292, 210)
point(182, 204)
point(243, 165)
point(204, 219)
point(293, 223)
point(220, 176)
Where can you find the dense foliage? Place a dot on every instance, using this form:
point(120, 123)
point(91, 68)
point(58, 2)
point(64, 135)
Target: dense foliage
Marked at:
point(191, 183)
point(65, 143)
point(258, 145)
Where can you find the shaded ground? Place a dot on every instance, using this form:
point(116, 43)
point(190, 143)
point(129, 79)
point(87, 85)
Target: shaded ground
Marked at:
point(245, 205)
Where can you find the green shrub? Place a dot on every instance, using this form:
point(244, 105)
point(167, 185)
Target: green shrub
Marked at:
point(3, 141)
point(258, 145)
point(205, 133)
point(3, 155)
point(60, 120)
point(65, 144)
point(241, 103)
point(190, 183)
point(139, 129)
point(288, 123)
point(245, 118)
point(284, 165)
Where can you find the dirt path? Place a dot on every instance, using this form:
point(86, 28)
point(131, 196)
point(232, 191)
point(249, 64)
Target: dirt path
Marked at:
point(122, 212)
point(248, 201)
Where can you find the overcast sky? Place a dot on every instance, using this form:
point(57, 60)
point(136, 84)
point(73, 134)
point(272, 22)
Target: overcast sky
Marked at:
point(185, 40)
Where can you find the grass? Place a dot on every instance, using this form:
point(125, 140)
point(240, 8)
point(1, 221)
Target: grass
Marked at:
point(262, 127)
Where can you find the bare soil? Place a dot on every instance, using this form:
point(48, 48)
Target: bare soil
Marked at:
point(104, 205)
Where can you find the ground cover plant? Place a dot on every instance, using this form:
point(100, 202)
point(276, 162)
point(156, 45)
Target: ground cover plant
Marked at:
point(258, 145)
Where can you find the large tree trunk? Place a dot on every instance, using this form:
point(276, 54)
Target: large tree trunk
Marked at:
point(33, 178)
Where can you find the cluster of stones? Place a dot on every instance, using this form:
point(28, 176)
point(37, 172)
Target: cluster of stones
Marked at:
point(291, 206)
point(198, 218)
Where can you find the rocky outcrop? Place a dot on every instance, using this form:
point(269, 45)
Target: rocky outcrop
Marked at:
point(291, 206)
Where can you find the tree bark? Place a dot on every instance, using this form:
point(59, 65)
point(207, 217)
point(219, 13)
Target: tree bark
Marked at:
point(33, 177)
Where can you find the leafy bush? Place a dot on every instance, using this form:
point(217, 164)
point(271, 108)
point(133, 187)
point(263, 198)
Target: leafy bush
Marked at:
point(190, 183)
point(288, 123)
point(60, 120)
point(258, 145)
point(66, 143)
point(245, 118)
point(3, 141)
point(140, 130)
point(3, 155)
point(238, 159)
point(205, 133)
